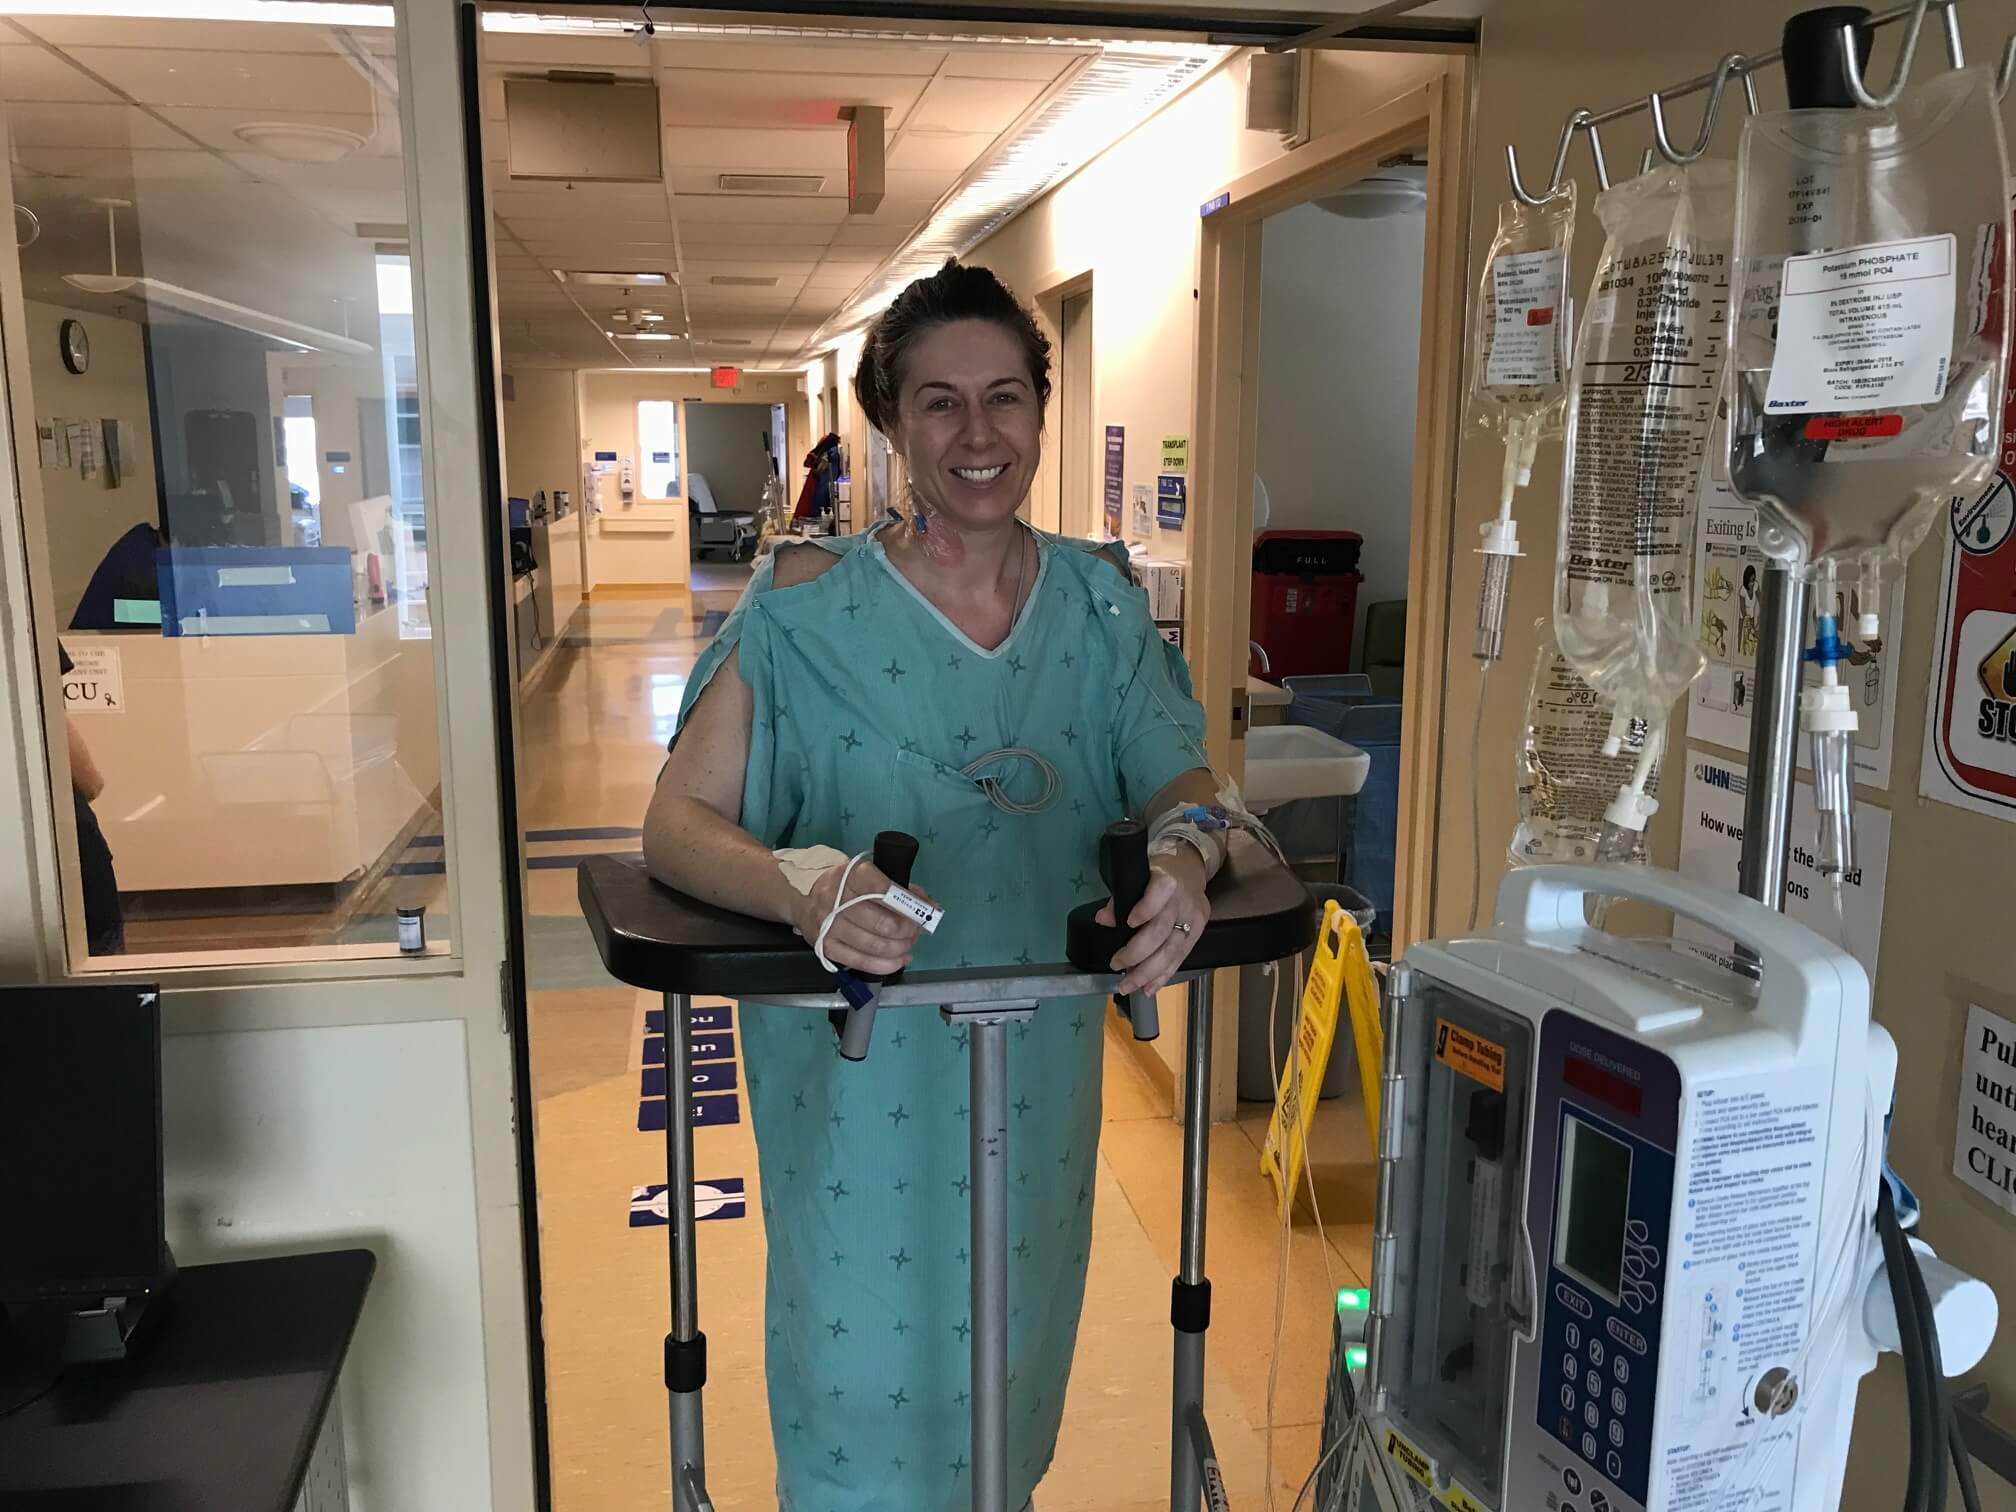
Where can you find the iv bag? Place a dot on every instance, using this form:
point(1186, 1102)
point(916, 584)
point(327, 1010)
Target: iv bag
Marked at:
point(1642, 404)
point(1565, 782)
point(1870, 327)
point(1519, 344)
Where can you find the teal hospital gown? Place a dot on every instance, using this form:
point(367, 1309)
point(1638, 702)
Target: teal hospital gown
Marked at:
point(868, 703)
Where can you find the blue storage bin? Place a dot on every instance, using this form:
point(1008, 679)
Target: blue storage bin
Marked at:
point(1346, 707)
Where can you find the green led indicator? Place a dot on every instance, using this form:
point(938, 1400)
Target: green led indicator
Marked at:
point(1355, 1357)
point(1354, 1299)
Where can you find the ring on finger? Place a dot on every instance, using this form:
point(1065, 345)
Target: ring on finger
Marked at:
point(1182, 928)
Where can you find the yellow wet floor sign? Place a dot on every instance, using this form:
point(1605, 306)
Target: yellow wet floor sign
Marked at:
point(1341, 972)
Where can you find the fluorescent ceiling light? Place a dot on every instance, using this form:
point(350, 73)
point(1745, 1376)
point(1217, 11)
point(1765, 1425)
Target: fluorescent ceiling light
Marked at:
point(741, 281)
point(640, 335)
point(297, 12)
point(615, 280)
point(304, 338)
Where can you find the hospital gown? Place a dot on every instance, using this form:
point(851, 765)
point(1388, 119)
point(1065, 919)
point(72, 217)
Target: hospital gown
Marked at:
point(868, 703)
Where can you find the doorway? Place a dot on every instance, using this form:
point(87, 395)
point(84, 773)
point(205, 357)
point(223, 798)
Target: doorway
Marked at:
point(1075, 409)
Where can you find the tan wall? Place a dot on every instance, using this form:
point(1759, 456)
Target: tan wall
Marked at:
point(86, 516)
point(648, 543)
point(1949, 874)
point(542, 434)
point(1130, 220)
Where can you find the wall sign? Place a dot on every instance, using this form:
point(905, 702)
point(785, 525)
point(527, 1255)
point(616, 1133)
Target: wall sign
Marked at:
point(1984, 1140)
point(1116, 475)
point(95, 683)
point(1175, 454)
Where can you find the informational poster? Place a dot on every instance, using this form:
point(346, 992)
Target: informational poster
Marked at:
point(1116, 476)
point(95, 683)
point(1711, 848)
point(1728, 580)
point(1970, 714)
point(1144, 509)
point(1984, 1140)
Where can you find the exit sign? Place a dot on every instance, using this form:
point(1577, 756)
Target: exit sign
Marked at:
point(727, 377)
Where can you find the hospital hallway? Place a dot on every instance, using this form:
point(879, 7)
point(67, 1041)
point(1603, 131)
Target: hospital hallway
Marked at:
point(593, 728)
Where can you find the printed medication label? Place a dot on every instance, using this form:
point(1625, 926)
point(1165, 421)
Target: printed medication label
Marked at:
point(1526, 296)
point(1865, 327)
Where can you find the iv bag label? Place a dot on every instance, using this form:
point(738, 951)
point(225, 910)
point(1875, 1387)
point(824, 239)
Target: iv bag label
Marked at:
point(1865, 327)
point(1526, 296)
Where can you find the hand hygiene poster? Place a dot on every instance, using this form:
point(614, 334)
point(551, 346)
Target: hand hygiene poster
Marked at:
point(1728, 579)
point(1711, 844)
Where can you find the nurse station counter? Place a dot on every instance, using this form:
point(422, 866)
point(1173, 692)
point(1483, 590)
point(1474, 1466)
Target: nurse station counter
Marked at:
point(276, 728)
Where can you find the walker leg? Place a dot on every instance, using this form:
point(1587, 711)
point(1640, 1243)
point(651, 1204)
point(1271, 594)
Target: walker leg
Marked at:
point(1190, 1294)
point(685, 1345)
point(988, 1136)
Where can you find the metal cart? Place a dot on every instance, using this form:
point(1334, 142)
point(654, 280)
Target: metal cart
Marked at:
point(652, 937)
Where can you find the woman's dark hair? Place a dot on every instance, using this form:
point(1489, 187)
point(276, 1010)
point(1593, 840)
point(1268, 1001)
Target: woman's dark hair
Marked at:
point(955, 292)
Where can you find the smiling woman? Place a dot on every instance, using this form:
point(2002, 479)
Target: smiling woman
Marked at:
point(1009, 696)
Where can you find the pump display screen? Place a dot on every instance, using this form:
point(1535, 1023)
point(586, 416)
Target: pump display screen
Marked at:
point(1593, 1206)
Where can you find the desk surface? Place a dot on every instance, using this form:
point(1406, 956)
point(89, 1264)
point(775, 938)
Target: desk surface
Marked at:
point(220, 1411)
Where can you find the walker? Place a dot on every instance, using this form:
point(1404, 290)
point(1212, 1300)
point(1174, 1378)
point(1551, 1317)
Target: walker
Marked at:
point(652, 937)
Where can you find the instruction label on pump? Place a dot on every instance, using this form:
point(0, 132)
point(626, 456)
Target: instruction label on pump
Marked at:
point(1526, 297)
point(1473, 1055)
point(1865, 327)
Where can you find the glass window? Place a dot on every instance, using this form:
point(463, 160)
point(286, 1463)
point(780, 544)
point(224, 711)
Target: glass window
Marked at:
point(658, 447)
point(222, 380)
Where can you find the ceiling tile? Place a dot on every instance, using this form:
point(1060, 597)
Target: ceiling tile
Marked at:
point(31, 124)
point(136, 167)
point(204, 36)
point(886, 237)
point(521, 52)
point(706, 53)
point(589, 252)
point(1013, 61)
point(535, 198)
point(281, 81)
point(760, 210)
point(940, 151)
point(989, 105)
point(30, 73)
point(691, 97)
point(532, 229)
point(698, 238)
point(764, 257)
point(817, 148)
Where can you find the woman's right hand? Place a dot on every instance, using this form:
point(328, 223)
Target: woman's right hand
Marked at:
point(868, 937)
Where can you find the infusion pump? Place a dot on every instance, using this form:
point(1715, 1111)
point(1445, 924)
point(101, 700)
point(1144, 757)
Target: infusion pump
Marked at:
point(1620, 1260)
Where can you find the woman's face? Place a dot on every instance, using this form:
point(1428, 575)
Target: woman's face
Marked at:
point(969, 429)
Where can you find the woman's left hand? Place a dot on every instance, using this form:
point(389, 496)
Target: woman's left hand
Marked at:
point(1166, 922)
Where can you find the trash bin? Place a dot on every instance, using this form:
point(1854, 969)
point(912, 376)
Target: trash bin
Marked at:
point(1257, 1066)
point(1305, 599)
point(1347, 708)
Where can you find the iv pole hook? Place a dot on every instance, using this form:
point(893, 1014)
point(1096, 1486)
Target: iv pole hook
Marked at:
point(2007, 72)
point(1733, 63)
point(1579, 118)
point(1851, 61)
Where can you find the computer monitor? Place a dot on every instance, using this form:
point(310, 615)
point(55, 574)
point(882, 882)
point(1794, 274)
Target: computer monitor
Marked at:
point(81, 1209)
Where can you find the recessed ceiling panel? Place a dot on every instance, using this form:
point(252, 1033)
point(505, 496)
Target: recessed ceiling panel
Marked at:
point(232, 81)
point(695, 97)
point(1012, 61)
point(29, 73)
point(75, 125)
point(820, 147)
point(929, 151)
point(699, 210)
point(977, 105)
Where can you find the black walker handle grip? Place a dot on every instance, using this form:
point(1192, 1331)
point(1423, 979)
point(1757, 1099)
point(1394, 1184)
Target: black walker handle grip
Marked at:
point(895, 854)
point(1123, 865)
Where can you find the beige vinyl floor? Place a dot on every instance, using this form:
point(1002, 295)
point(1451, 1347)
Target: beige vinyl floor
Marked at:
point(592, 734)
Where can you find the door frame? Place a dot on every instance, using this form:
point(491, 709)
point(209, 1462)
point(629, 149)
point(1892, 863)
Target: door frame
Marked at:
point(476, 981)
point(1226, 426)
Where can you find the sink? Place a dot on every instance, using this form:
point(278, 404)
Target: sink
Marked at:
point(1286, 762)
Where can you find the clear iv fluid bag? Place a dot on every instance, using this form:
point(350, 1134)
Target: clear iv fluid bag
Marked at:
point(1642, 404)
point(1565, 782)
point(1519, 344)
point(1869, 334)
